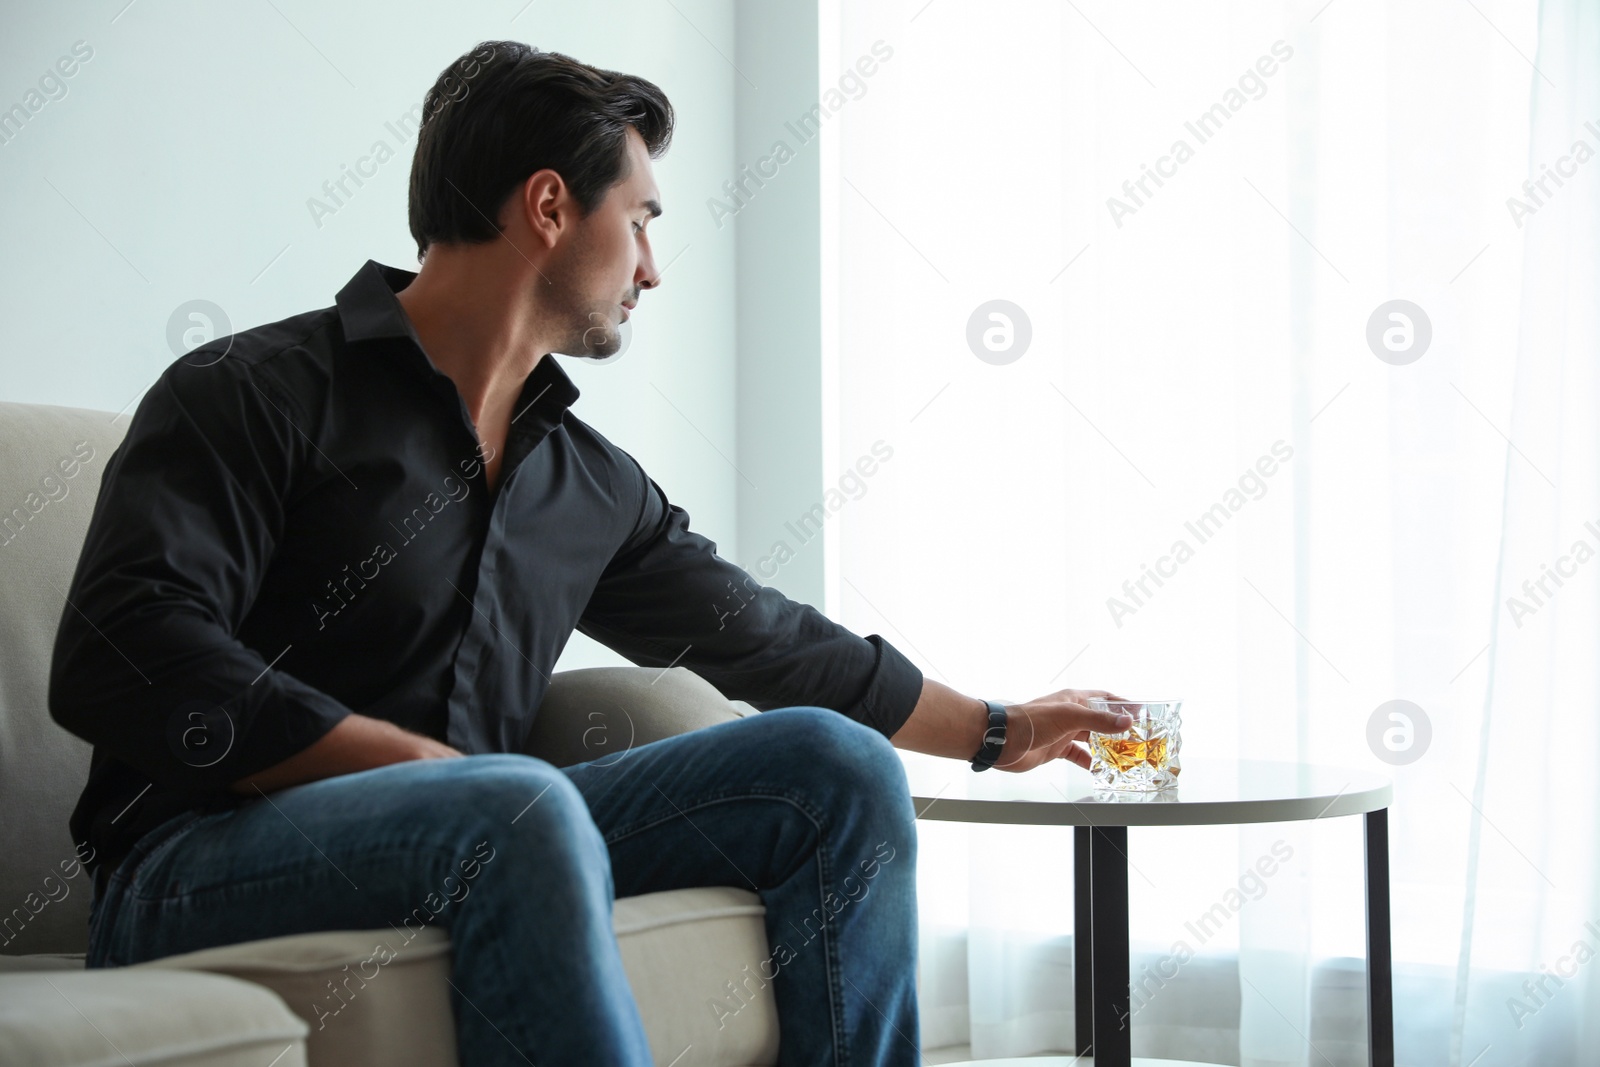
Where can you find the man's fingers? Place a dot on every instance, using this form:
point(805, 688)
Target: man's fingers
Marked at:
point(1080, 718)
point(1087, 718)
point(1077, 754)
point(1109, 722)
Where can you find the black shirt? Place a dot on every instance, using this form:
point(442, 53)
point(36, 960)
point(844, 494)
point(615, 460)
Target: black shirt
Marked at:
point(298, 526)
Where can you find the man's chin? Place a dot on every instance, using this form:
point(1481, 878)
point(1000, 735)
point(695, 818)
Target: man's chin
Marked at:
point(602, 344)
point(593, 345)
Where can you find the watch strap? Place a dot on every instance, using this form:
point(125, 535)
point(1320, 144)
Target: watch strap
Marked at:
point(994, 737)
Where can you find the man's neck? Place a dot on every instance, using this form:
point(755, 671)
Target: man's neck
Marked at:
point(476, 325)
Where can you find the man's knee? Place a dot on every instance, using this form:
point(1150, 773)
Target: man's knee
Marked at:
point(834, 736)
point(830, 747)
point(506, 830)
point(522, 804)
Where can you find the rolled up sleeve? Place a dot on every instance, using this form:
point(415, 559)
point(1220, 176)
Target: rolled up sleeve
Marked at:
point(668, 598)
point(146, 665)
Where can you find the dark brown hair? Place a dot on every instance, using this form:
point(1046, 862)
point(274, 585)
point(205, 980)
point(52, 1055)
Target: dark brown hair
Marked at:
point(506, 110)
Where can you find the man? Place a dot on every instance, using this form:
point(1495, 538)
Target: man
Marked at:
point(338, 552)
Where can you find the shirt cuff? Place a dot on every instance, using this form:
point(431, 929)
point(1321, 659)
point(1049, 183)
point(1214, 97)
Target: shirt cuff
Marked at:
point(297, 717)
point(893, 692)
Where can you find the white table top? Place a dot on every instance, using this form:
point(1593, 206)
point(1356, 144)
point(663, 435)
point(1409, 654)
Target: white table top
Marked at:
point(1208, 792)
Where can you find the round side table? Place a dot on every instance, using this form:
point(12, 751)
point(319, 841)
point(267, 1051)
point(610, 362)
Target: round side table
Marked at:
point(1209, 792)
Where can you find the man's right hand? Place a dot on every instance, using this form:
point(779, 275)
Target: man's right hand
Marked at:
point(356, 743)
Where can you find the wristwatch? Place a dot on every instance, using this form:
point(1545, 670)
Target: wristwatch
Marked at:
point(994, 738)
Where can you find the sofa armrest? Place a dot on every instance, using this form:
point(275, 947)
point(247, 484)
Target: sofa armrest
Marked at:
point(597, 712)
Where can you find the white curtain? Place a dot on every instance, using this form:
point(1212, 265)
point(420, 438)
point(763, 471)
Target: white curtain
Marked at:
point(1208, 335)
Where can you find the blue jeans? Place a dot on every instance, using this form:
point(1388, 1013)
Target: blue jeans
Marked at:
point(801, 805)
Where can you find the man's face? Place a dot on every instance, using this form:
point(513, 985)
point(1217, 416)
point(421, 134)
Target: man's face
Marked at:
point(607, 261)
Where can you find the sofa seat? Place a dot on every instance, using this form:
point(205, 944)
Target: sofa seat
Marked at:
point(376, 997)
point(53, 1017)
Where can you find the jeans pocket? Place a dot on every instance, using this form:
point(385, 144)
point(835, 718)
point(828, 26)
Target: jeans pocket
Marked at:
point(138, 875)
point(125, 892)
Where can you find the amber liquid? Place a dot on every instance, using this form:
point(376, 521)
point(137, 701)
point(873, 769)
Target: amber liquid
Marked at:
point(1124, 754)
point(1144, 759)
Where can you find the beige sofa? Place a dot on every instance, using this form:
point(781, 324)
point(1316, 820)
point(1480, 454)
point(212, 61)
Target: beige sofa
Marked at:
point(257, 1003)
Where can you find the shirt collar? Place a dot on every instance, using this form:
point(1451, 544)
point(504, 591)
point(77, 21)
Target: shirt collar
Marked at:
point(368, 310)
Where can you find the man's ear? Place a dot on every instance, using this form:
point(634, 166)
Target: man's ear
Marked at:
point(545, 206)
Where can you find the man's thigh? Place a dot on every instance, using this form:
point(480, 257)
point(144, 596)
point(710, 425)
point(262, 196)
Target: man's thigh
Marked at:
point(393, 845)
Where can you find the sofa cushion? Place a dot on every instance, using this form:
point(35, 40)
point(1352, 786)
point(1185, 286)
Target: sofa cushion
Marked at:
point(162, 1019)
point(690, 956)
point(371, 997)
point(51, 460)
point(366, 996)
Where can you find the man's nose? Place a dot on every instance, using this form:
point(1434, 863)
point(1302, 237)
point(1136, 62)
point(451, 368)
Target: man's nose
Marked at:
point(647, 276)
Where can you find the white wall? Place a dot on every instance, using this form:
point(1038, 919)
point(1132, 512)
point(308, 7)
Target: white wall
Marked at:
point(180, 161)
point(776, 195)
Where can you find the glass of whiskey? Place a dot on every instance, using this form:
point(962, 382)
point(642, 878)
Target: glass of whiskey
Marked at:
point(1144, 757)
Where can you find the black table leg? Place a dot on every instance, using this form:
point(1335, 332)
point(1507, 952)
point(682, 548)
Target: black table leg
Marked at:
point(1108, 876)
point(1380, 982)
point(1082, 942)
